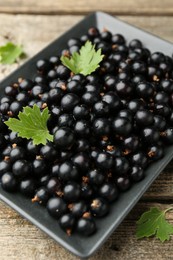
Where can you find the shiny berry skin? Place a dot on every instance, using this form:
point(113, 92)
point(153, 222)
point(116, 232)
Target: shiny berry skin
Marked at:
point(26, 84)
point(95, 177)
point(72, 191)
point(150, 135)
point(135, 43)
point(159, 122)
point(27, 187)
point(113, 101)
point(166, 85)
point(155, 152)
point(135, 104)
point(118, 39)
point(5, 166)
point(139, 159)
point(123, 89)
point(161, 98)
point(56, 207)
point(144, 117)
point(67, 222)
point(8, 182)
point(145, 90)
point(74, 86)
point(64, 138)
point(101, 126)
point(48, 152)
point(53, 185)
point(109, 192)
point(42, 65)
point(131, 144)
point(82, 145)
point(121, 165)
point(121, 126)
point(41, 195)
point(78, 208)
point(21, 168)
point(167, 136)
point(136, 174)
point(86, 226)
point(104, 161)
point(81, 112)
point(90, 98)
point(39, 167)
point(62, 72)
point(81, 160)
point(82, 128)
point(100, 109)
point(69, 101)
point(99, 207)
point(67, 171)
point(123, 183)
point(157, 57)
point(17, 153)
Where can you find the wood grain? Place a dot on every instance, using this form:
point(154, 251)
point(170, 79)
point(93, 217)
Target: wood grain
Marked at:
point(19, 239)
point(117, 7)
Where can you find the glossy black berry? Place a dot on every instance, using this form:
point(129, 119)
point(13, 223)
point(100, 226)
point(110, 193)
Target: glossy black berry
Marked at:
point(56, 207)
point(8, 182)
point(64, 137)
point(86, 226)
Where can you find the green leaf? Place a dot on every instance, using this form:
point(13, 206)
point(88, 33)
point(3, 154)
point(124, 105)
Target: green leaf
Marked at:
point(153, 223)
point(84, 62)
point(32, 124)
point(10, 52)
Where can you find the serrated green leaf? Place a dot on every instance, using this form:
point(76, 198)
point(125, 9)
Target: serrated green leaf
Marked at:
point(152, 223)
point(84, 62)
point(32, 124)
point(9, 53)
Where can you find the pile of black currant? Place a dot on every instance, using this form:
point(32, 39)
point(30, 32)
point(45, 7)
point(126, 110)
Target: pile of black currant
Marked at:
point(107, 127)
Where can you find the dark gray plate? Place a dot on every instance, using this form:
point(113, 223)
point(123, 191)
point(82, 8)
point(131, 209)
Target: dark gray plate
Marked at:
point(84, 247)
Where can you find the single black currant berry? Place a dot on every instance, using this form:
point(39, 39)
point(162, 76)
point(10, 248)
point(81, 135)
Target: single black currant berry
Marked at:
point(41, 196)
point(21, 168)
point(109, 192)
point(27, 187)
point(72, 191)
point(64, 138)
point(99, 207)
point(69, 101)
point(86, 226)
point(121, 126)
point(95, 177)
point(123, 183)
point(56, 207)
point(8, 182)
point(104, 161)
point(144, 117)
point(67, 223)
point(78, 208)
point(67, 171)
point(136, 174)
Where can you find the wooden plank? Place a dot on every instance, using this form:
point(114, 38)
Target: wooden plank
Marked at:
point(19, 240)
point(35, 32)
point(146, 7)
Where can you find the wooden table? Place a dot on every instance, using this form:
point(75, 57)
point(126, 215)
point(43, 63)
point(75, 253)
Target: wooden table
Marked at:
point(34, 24)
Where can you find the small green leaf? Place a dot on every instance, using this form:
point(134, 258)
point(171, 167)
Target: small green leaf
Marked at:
point(9, 53)
point(32, 124)
point(152, 223)
point(84, 62)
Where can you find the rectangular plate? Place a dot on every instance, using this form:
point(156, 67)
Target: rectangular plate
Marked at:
point(85, 247)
